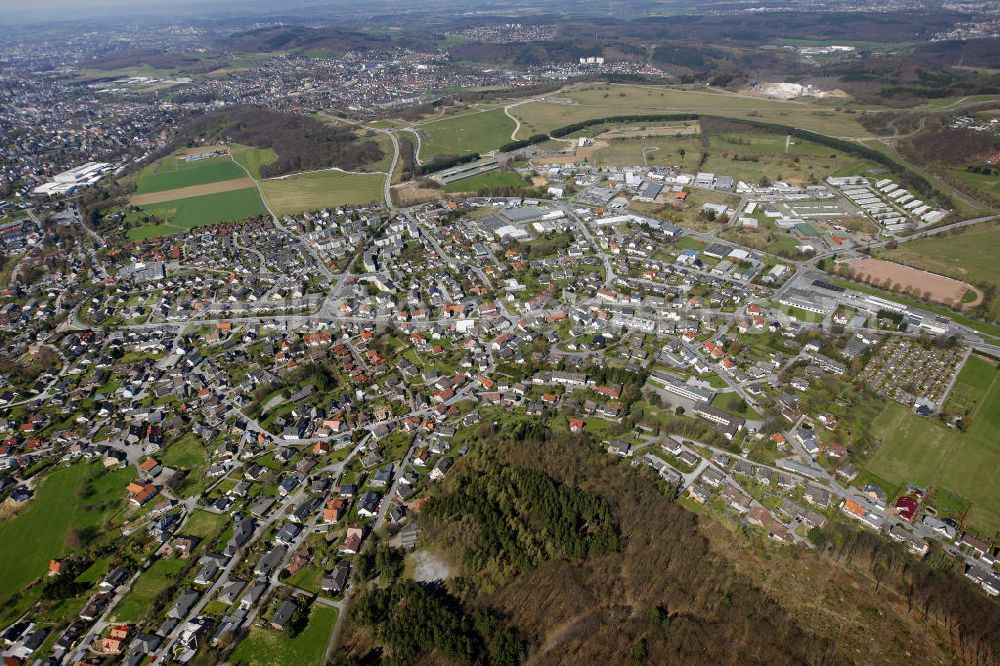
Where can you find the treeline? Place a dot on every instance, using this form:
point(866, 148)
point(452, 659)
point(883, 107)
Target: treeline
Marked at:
point(523, 517)
point(649, 117)
point(301, 142)
point(445, 163)
point(524, 143)
point(971, 619)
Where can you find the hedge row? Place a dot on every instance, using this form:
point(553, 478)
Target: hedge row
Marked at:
point(651, 117)
point(441, 165)
point(524, 143)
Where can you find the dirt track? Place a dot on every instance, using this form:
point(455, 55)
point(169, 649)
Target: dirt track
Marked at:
point(191, 191)
point(911, 280)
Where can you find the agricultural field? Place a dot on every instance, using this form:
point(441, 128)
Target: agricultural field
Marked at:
point(492, 179)
point(172, 173)
point(266, 647)
point(252, 159)
point(963, 256)
point(78, 497)
point(187, 213)
point(963, 464)
point(971, 386)
point(474, 132)
point(321, 189)
point(596, 101)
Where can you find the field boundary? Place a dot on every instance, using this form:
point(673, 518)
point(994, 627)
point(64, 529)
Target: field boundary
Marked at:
point(191, 191)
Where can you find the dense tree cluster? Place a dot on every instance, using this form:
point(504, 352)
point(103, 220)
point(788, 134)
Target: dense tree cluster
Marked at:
point(302, 143)
point(411, 620)
point(523, 517)
point(955, 146)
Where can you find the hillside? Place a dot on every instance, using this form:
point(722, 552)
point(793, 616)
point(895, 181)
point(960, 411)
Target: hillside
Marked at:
point(302, 143)
point(589, 562)
point(299, 38)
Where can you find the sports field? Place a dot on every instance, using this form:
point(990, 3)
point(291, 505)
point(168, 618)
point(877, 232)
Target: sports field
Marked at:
point(173, 173)
point(471, 132)
point(598, 100)
point(182, 214)
point(39, 531)
point(321, 189)
point(266, 647)
point(966, 256)
point(903, 278)
point(963, 464)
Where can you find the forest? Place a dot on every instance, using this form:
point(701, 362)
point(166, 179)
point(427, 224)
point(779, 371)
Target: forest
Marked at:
point(563, 555)
point(523, 517)
point(302, 143)
point(411, 620)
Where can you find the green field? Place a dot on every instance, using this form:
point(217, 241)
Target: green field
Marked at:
point(654, 151)
point(321, 189)
point(204, 525)
point(990, 184)
point(183, 214)
point(750, 156)
point(186, 174)
point(596, 101)
point(484, 180)
point(969, 256)
point(963, 464)
point(971, 386)
point(252, 159)
point(730, 402)
point(266, 647)
point(39, 531)
point(160, 575)
point(385, 143)
point(475, 132)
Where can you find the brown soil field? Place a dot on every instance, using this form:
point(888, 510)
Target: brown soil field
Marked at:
point(410, 194)
point(192, 191)
point(911, 280)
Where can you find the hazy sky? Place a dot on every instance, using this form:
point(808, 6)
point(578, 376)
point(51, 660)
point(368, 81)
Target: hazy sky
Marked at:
point(70, 9)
